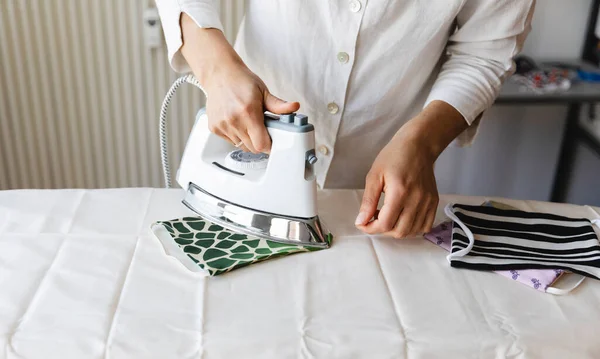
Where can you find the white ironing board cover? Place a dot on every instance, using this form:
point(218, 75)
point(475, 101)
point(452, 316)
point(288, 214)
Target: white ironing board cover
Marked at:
point(81, 276)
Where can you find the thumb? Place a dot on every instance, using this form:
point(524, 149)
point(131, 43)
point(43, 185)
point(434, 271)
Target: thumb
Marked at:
point(370, 200)
point(277, 105)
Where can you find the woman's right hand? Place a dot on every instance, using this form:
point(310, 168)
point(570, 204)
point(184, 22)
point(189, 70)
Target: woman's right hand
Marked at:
point(236, 97)
point(235, 106)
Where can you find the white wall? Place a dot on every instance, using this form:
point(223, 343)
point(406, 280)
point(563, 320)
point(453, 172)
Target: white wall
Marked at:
point(80, 94)
point(493, 166)
point(558, 28)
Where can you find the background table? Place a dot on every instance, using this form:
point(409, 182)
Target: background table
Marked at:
point(581, 93)
point(81, 276)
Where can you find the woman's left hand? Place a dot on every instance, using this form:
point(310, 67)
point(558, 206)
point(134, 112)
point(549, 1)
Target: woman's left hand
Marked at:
point(403, 170)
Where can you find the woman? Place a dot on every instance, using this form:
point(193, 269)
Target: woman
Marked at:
point(388, 84)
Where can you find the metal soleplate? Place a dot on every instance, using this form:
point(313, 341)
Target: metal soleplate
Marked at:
point(283, 229)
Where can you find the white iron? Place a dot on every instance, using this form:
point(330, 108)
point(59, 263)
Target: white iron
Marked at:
point(268, 196)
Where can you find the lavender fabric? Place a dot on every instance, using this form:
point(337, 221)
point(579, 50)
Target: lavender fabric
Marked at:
point(539, 279)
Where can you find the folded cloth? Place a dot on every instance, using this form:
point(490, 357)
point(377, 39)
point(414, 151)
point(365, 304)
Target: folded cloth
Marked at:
point(540, 279)
point(488, 238)
point(206, 247)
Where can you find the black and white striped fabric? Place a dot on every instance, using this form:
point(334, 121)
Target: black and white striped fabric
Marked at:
point(488, 238)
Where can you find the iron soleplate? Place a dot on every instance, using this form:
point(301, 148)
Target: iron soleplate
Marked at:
point(283, 229)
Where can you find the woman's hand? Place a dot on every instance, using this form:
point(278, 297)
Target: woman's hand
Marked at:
point(236, 97)
point(235, 106)
point(403, 170)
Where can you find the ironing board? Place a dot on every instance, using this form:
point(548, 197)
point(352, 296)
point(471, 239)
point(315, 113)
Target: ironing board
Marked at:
point(81, 276)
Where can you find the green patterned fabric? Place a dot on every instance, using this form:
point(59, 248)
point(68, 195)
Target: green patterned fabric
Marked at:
point(217, 250)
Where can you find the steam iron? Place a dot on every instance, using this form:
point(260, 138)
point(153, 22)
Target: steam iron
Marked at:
point(268, 196)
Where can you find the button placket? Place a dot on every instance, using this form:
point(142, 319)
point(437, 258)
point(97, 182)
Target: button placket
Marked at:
point(347, 25)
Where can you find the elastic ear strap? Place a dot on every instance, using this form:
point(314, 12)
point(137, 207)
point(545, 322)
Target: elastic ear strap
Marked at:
point(563, 291)
point(449, 210)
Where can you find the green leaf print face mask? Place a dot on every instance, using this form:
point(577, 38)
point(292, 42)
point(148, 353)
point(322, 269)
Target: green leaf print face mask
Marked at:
point(203, 246)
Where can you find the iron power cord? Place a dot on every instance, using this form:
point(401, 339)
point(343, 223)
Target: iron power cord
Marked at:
point(164, 155)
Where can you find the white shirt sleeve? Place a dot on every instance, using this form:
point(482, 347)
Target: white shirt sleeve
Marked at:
point(205, 14)
point(479, 57)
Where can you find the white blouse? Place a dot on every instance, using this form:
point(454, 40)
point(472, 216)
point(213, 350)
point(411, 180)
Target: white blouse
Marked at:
point(362, 68)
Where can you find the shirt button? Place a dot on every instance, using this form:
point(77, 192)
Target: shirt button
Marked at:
point(343, 57)
point(333, 108)
point(323, 149)
point(355, 6)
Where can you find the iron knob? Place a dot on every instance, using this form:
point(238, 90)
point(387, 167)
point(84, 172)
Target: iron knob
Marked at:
point(287, 118)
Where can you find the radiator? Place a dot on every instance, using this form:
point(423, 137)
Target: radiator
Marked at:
point(80, 94)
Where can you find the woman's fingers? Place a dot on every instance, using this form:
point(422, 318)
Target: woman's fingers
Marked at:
point(417, 219)
point(237, 99)
point(279, 106)
point(246, 123)
point(259, 137)
point(406, 223)
point(404, 212)
point(246, 131)
point(370, 200)
point(228, 136)
point(428, 224)
point(421, 205)
point(393, 207)
point(247, 145)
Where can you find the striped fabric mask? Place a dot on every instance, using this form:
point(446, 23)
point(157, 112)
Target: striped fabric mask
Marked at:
point(487, 238)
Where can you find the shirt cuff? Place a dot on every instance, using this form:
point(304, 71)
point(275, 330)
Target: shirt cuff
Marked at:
point(471, 112)
point(469, 108)
point(205, 15)
point(469, 93)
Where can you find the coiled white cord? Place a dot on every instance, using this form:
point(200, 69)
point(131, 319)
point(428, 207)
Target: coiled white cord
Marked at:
point(164, 153)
